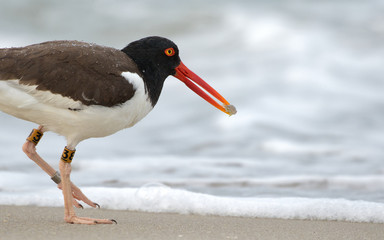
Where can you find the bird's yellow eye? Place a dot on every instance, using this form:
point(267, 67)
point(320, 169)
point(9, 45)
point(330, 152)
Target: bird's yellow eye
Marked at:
point(169, 52)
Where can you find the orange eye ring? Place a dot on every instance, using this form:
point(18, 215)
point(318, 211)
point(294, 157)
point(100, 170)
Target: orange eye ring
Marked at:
point(169, 52)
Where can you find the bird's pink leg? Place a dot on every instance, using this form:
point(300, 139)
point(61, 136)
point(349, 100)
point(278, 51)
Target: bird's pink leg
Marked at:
point(29, 148)
point(69, 214)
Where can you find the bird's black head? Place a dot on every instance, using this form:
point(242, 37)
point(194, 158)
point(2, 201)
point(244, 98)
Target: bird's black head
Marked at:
point(158, 55)
point(157, 58)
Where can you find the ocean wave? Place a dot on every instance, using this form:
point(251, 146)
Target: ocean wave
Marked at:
point(307, 82)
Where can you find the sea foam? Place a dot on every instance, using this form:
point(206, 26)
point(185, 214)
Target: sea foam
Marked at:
point(158, 198)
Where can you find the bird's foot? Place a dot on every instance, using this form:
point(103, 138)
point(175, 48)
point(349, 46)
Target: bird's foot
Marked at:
point(78, 195)
point(88, 221)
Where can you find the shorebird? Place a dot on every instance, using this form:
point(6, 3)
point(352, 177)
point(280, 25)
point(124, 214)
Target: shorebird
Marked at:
point(81, 90)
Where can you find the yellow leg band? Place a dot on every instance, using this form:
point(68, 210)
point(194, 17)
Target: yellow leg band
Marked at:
point(35, 136)
point(67, 155)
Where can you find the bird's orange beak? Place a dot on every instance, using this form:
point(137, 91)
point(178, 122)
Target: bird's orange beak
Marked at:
point(193, 81)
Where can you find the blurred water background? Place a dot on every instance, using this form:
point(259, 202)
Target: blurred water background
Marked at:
point(306, 77)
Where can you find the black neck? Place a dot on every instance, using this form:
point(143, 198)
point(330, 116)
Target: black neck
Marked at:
point(152, 76)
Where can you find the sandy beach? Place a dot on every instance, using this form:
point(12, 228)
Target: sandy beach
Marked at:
point(28, 222)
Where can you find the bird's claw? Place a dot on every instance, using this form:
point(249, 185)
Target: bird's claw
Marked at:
point(113, 220)
point(78, 195)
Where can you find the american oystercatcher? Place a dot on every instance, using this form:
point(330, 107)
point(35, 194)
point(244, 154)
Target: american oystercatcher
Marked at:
point(81, 90)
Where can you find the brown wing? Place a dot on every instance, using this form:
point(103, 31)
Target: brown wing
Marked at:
point(83, 72)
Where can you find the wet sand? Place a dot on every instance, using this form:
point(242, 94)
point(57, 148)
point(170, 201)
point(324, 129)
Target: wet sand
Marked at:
point(28, 222)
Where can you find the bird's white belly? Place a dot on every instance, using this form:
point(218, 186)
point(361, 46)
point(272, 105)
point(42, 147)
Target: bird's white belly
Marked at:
point(52, 111)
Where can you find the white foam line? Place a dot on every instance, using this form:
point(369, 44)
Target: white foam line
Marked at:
point(159, 198)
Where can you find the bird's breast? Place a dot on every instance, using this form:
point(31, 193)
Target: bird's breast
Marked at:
point(101, 121)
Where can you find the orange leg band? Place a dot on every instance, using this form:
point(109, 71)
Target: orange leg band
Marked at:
point(67, 155)
point(35, 136)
